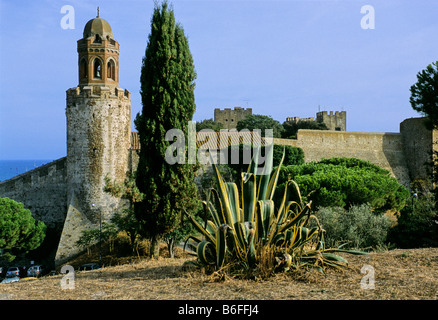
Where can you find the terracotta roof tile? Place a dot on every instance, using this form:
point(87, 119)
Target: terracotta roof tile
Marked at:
point(212, 140)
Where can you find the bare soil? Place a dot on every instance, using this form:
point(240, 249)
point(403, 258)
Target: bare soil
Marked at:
point(398, 275)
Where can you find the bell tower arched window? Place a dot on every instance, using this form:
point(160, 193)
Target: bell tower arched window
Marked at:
point(97, 69)
point(97, 39)
point(111, 70)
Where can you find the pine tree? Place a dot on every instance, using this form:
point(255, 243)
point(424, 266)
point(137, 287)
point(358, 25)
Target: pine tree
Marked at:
point(167, 92)
point(19, 232)
point(424, 94)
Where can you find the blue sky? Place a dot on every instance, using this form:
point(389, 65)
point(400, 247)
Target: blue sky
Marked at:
point(281, 58)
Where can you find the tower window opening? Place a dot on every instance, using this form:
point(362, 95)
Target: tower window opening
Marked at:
point(97, 69)
point(98, 39)
point(111, 70)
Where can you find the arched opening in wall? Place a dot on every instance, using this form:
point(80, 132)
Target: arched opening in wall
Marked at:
point(98, 39)
point(83, 70)
point(97, 69)
point(111, 70)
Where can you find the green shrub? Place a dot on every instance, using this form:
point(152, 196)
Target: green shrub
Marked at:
point(354, 163)
point(417, 225)
point(291, 127)
point(344, 182)
point(357, 227)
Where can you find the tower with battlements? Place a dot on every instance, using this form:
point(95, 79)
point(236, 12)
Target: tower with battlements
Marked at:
point(334, 121)
point(98, 134)
point(229, 118)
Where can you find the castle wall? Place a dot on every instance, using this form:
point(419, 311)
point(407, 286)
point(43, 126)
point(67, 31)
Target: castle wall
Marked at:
point(383, 149)
point(43, 191)
point(286, 142)
point(418, 143)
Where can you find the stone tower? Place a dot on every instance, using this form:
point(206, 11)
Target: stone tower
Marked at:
point(229, 118)
point(336, 121)
point(98, 135)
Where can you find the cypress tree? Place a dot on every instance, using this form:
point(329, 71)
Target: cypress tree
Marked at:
point(167, 93)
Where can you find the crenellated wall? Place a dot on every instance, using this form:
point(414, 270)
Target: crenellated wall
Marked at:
point(229, 118)
point(334, 121)
point(43, 191)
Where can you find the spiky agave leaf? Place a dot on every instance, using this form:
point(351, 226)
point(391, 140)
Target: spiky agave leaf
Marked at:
point(240, 224)
point(206, 253)
point(221, 244)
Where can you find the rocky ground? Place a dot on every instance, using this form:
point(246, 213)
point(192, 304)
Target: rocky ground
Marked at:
point(398, 275)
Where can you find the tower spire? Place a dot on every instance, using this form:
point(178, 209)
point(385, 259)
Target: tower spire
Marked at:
point(98, 54)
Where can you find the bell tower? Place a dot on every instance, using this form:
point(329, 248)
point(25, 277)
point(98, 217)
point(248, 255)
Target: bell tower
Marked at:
point(98, 116)
point(98, 55)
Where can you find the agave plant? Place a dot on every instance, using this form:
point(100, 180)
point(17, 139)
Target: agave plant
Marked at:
point(240, 223)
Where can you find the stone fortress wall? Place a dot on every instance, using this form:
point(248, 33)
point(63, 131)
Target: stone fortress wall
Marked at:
point(382, 149)
point(43, 191)
point(419, 145)
point(407, 155)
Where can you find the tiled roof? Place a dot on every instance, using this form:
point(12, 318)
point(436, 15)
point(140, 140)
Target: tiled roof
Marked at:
point(219, 140)
point(212, 140)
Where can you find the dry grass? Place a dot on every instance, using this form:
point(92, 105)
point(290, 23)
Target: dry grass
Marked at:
point(399, 275)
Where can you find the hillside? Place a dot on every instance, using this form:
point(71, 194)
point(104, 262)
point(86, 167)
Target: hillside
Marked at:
point(399, 275)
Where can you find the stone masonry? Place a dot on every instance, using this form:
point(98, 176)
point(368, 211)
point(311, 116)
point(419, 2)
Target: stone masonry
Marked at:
point(98, 136)
point(229, 118)
point(336, 121)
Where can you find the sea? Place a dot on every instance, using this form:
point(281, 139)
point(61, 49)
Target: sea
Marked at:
point(11, 168)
